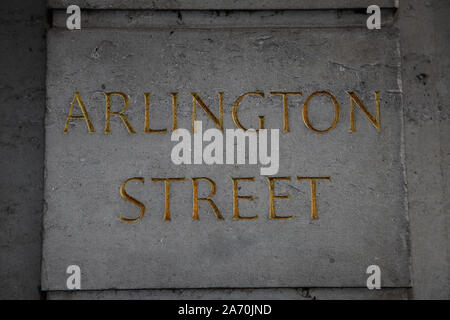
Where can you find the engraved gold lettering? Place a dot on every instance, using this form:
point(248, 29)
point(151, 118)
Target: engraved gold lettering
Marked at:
point(147, 128)
point(126, 101)
point(196, 199)
point(336, 112)
point(236, 198)
point(272, 196)
point(167, 194)
point(127, 197)
point(235, 110)
point(313, 193)
point(174, 110)
point(196, 99)
point(375, 122)
point(85, 115)
point(285, 106)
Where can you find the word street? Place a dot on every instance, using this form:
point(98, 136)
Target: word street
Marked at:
point(236, 185)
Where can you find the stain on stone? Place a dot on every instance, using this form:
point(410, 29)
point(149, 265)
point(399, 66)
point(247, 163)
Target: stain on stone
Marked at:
point(95, 53)
point(422, 77)
point(9, 210)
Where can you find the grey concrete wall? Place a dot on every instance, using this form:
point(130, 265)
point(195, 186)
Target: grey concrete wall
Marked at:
point(425, 41)
point(22, 104)
point(424, 31)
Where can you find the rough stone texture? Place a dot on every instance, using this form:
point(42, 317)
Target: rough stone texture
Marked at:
point(221, 4)
point(22, 100)
point(213, 19)
point(239, 294)
point(362, 214)
point(425, 39)
point(424, 33)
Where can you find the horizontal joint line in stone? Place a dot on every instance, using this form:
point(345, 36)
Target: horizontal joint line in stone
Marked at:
point(232, 19)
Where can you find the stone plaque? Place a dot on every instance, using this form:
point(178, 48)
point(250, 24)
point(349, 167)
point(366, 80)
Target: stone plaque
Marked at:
point(358, 217)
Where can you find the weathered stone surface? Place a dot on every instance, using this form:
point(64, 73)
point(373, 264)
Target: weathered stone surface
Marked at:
point(426, 77)
point(362, 214)
point(238, 294)
point(213, 19)
point(22, 101)
point(423, 26)
point(221, 4)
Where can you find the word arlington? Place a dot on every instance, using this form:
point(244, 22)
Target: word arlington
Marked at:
point(218, 121)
